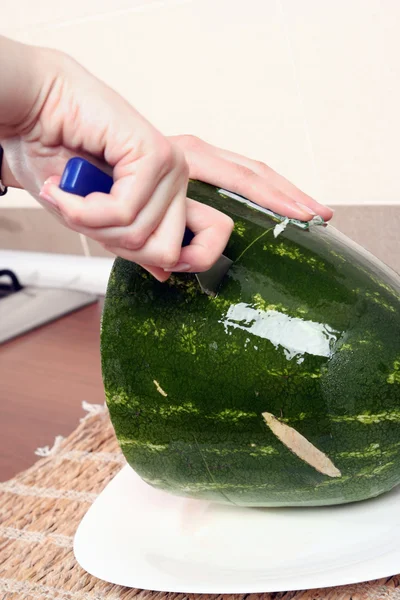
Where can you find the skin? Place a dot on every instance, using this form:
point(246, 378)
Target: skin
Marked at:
point(51, 108)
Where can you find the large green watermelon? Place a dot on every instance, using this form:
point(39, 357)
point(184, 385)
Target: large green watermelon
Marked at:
point(284, 390)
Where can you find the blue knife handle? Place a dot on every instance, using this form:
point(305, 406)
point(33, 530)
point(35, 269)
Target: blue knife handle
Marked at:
point(82, 178)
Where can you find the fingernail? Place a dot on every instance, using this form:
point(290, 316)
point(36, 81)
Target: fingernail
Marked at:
point(179, 267)
point(53, 179)
point(306, 208)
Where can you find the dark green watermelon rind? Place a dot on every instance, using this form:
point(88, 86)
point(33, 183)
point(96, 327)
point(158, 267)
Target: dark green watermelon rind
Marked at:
point(190, 433)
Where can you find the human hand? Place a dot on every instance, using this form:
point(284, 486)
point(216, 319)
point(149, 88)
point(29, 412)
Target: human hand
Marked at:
point(66, 111)
point(72, 113)
point(252, 179)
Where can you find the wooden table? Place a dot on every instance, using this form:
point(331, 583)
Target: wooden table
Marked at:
point(44, 377)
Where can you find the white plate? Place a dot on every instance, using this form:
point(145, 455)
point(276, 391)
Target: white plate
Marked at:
point(137, 536)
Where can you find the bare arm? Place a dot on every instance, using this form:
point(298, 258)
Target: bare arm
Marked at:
point(21, 89)
point(20, 92)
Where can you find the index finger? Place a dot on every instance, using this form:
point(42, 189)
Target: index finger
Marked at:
point(211, 230)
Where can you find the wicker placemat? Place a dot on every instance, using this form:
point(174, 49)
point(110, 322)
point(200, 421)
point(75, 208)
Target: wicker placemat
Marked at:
point(41, 508)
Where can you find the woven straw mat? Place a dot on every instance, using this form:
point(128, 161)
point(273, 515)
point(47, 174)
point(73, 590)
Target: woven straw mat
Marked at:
point(41, 508)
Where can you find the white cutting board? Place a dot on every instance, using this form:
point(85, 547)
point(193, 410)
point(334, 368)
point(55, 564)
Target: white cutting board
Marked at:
point(34, 306)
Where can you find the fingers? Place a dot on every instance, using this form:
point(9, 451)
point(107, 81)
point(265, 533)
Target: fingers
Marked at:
point(157, 272)
point(163, 247)
point(212, 230)
point(244, 181)
point(252, 179)
point(128, 196)
point(134, 236)
point(279, 182)
point(144, 216)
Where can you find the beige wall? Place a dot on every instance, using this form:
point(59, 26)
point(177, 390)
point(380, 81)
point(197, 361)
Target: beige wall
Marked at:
point(312, 87)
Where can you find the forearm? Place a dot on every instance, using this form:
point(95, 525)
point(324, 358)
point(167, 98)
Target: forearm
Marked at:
point(19, 86)
point(14, 71)
point(24, 81)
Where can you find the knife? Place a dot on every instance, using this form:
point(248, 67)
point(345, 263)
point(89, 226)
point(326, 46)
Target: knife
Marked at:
point(82, 178)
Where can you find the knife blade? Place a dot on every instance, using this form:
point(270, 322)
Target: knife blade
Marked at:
point(82, 178)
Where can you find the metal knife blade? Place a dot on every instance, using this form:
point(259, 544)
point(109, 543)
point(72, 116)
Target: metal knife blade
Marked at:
point(211, 280)
point(81, 177)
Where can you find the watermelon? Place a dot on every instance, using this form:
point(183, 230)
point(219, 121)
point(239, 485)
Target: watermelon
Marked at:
point(283, 390)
